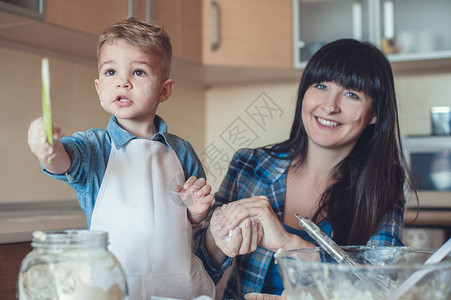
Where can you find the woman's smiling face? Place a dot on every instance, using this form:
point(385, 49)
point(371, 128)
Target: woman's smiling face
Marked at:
point(334, 117)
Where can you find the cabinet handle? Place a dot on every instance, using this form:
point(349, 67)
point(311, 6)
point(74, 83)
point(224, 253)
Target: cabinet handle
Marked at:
point(389, 22)
point(148, 11)
point(215, 19)
point(357, 20)
point(131, 8)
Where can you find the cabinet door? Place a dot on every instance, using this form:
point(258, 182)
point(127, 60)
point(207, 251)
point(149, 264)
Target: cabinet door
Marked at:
point(251, 33)
point(316, 23)
point(183, 21)
point(406, 30)
point(88, 16)
point(416, 29)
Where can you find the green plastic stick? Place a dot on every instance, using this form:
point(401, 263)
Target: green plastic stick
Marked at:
point(46, 106)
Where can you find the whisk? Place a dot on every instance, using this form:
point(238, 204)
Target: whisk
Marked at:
point(376, 282)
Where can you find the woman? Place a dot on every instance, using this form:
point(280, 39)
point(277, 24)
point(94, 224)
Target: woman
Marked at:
point(342, 167)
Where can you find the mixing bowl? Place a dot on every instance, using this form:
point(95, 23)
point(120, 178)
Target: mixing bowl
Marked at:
point(311, 273)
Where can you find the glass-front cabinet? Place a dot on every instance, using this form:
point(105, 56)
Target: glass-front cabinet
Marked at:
point(404, 29)
point(421, 29)
point(28, 8)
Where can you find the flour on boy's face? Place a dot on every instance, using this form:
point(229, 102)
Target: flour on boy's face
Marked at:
point(147, 89)
point(130, 81)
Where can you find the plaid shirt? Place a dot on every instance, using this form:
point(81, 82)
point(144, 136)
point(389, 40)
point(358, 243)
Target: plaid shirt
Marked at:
point(254, 172)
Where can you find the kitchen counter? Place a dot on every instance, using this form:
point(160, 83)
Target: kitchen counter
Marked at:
point(18, 221)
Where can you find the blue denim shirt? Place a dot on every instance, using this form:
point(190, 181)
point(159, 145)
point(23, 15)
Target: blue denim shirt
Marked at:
point(89, 152)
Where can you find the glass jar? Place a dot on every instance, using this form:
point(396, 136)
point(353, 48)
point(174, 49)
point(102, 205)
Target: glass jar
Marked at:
point(69, 265)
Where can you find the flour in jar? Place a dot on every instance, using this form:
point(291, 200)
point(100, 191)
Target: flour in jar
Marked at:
point(63, 281)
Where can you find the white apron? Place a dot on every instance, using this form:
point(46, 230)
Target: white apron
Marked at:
point(148, 232)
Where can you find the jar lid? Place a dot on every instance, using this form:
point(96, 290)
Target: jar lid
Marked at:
point(70, 237)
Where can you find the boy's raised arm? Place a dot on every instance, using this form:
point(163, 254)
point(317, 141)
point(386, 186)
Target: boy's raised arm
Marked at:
point(53, 158)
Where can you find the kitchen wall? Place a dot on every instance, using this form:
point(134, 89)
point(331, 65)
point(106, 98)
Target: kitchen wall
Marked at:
point(75, 107)
point(244, 116)
point(217, 121)
point(416, 94)
point(258, 115)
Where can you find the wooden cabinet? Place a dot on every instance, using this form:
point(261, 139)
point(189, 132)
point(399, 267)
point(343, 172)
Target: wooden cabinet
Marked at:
point(67, 28)
point(231, 41)
point(92, 17)
point(11, 256)
point(87, 16)
point(251, 33)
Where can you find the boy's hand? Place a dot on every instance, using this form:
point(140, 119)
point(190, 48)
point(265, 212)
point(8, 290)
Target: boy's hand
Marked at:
point(37, 141)
point(195, 193)
point(56, 154)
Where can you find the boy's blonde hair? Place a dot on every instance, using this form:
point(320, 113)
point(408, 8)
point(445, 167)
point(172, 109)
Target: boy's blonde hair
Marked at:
point(148, 37)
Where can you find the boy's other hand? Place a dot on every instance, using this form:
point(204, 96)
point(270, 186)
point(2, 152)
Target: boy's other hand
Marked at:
point(195, 193)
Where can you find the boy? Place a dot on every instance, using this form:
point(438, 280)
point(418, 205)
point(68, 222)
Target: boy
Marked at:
point(125, 176)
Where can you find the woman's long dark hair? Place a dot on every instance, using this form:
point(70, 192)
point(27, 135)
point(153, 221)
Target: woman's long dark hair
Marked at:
point(371, 179)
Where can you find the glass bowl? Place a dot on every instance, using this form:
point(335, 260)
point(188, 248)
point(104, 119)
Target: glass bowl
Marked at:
point(311, 273)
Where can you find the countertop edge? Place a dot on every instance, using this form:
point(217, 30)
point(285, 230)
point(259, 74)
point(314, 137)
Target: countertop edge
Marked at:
point(17, 222)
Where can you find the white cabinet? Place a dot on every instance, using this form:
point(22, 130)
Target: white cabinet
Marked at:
point(407, 30)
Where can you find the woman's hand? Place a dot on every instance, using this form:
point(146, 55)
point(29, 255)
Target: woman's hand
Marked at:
point(274, 234)
point(238, 227)
point(241, 239)
point(258, 207)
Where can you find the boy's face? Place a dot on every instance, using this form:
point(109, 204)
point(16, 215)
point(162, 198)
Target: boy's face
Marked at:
point(130, 84)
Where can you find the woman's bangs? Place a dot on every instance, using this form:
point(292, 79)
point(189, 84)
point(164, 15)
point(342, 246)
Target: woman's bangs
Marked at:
point(349, 73)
